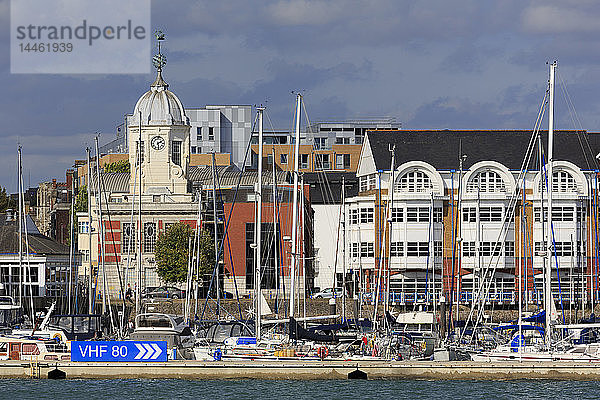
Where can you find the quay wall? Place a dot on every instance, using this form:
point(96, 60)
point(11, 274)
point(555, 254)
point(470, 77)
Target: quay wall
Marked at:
point(305, 370)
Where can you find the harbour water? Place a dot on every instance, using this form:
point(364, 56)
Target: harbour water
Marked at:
point(154, 389)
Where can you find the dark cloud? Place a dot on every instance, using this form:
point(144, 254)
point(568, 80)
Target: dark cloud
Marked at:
point(431, 64)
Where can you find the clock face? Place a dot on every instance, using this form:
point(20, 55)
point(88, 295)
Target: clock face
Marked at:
point(157, 143)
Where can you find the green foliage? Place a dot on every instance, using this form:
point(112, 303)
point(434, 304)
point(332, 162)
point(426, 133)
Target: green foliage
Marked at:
point(117, 166)
point(5, 201)
point(172, 253)
point(81, 201)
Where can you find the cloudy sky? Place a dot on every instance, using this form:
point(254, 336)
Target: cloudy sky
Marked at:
point(460, 64)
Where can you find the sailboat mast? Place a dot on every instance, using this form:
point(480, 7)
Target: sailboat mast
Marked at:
point(345, 284)
point(258, 223)
point(295, 209)
point(100, 226)
point(89, 209)
point(550, 241)
point(275, 234)
point(214, 193)
point(138, 289)
point(20, 226)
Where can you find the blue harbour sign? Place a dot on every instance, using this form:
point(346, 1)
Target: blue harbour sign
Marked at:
point(119, 351)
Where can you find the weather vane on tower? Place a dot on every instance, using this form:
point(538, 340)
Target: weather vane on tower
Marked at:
point(159, 60)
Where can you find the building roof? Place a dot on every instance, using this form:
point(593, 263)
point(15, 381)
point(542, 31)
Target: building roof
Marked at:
point(113, 182)
point(326, 187)
point(441, 148)
point(38, 243)
point(229, 176)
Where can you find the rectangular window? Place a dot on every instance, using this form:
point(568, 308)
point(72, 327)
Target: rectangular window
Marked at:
point(469, 214)
point(211, 133)
point(140, 155)
point(367, 249)
point(488, 249)
point(417, 249)
point(354, 250)
point(563, 214)
point(322, 162)
point(193, 150)
point(342, 161)
point(85, 255)
point(353, 216)
point(373, 181)
point(581, 214)
point(283, 158)
point(417, 214)
point(438, 214)
point(362, 181)
point(199, 133)
point(509, 249)
point(149, 237)
point(128, 238)
point(342, 140)
point(564, 249)
point(490, 214)
point(320, 143)
point(84, 227)
point(537, 214)
point(468, 249)
point(437, 248)
point(397, 214)
point(303, 161)
point(366, 215)
point(176, 153)
point(397, 249)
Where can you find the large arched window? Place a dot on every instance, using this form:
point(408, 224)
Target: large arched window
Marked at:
point(563, 182)
point(487, 182)
point(414, 182)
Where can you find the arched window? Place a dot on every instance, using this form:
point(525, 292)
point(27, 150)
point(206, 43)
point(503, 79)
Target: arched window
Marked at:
point(414, 182)
point(563, 182)
point(486, 182)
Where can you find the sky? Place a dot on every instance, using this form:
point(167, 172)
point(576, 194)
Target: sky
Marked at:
point(435, 64)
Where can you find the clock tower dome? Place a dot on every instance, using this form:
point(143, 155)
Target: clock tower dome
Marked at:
point(159, 138)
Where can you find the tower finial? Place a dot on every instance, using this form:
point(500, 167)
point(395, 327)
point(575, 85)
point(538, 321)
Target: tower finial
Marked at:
point(159, 60)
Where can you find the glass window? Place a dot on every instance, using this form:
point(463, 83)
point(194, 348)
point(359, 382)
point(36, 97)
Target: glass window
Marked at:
point(417, 249)
point(140, 156)
point(199, 133)
point(211, 133)
point(490, 248)
point(486, 182)
point(128, 238)
point(176, 153)
point(84, 227)
point(303, 161)
point(149, 237)
point(397, 249)
point(490, 214)
point(468, 249)
point(322, 162)
point(366, 215)
point(437, 248)
point(397, 214)
point(367, 249)
point(509, 249)
point(414, 182)
point(283, 158)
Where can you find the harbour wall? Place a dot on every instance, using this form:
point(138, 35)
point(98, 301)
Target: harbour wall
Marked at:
point(305, 370)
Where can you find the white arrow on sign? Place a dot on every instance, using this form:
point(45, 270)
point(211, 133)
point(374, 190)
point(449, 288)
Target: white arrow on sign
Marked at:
point(157, 353)
point(147, 351)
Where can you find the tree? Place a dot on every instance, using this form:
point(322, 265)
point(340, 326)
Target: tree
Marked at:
point(5, 201)
point(117, 166)
point(171, 253)
point(81, 200)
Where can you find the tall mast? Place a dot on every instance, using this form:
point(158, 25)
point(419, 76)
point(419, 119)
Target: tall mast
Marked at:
point(89, 209)
point(275, 234)
point(100, 227)
point(138, 286)
point(20, 226)
point(71, 245)
point(389, 220)
point(216, 238)
point(344, 283)
point(295, 209)
point(550, 241)
point(258, 224)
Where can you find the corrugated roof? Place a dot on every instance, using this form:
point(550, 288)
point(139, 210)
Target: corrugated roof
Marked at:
point(113, 182)
point(229, 177)
point(441, 148)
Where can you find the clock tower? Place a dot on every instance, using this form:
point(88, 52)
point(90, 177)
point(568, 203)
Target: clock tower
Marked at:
point(159, 138)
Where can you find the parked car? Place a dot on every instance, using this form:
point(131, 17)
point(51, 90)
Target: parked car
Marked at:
point(329, 293)
point(164, 292)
